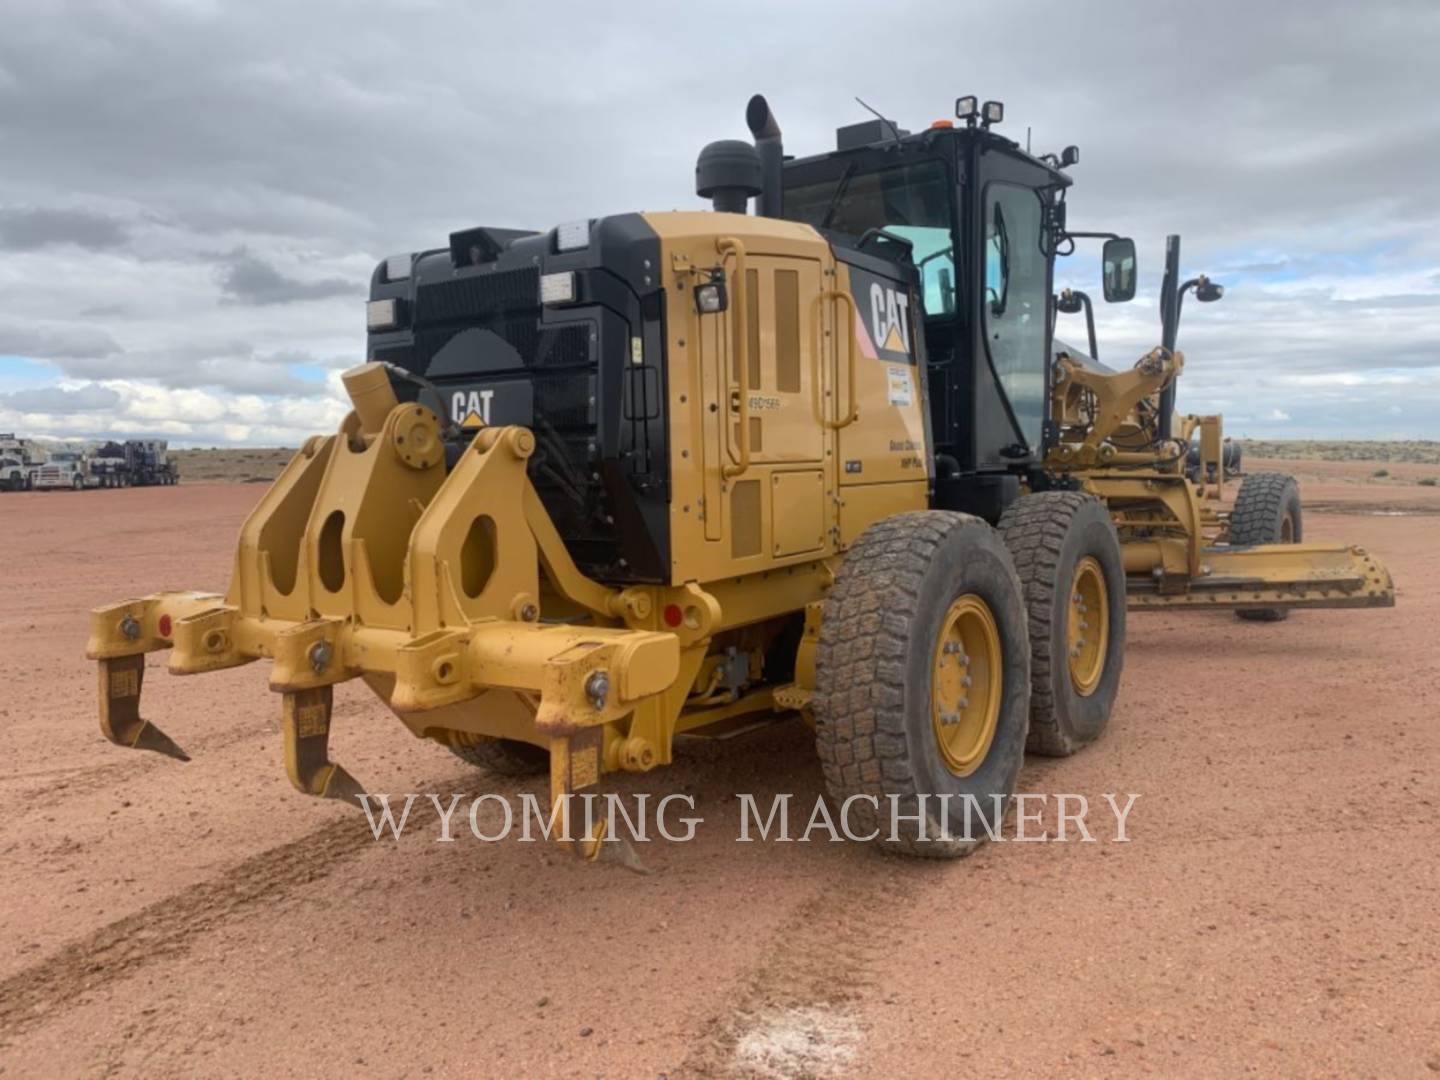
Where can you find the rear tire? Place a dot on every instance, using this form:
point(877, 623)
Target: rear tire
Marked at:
point(505, 757)
point(1267, 511)
point(1068, 557)
point(922, 683)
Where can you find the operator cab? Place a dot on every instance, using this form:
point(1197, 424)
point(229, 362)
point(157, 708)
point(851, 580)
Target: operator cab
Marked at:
point(979, 219)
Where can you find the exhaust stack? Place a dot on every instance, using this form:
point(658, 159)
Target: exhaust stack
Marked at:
point(772, 155)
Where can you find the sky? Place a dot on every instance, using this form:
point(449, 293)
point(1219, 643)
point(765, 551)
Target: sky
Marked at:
point(193, 194)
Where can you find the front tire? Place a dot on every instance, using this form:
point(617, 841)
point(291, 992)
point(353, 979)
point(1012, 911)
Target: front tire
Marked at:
point(922, 683)
point(1267, 511)
point(1068, 557)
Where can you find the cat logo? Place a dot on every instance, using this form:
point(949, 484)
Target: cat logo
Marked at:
point(471, 408)
point(889, 319)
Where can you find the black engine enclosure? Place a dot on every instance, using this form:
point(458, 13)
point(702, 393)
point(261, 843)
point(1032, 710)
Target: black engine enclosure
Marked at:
point(587, 376)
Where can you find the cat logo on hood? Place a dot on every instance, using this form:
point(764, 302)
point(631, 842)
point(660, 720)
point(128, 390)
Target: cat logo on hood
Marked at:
point(889, 319)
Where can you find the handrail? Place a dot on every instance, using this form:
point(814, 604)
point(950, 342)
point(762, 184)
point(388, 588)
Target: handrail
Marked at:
point(740, 353)
point(815, 323)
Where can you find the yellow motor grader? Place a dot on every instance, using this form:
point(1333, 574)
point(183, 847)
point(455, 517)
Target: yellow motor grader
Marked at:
point(666, 474)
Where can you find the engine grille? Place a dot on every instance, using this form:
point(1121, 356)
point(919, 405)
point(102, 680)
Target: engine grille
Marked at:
point(563, 346)
point(481, 297)
point(504, 303)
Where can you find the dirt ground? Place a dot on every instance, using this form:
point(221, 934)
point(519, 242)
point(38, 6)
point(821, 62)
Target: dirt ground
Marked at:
point(1273, 912)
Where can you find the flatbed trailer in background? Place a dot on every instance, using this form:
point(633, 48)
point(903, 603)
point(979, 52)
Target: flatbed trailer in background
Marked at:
point(135, 462)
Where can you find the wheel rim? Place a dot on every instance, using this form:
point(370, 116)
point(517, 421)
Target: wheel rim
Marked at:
point(1088, 623)
point(966, 683)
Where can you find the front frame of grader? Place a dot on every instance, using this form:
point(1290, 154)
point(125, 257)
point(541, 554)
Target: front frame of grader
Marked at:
point(1174, 532)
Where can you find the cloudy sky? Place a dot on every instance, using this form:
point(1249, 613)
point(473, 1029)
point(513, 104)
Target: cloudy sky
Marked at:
point(193, 193)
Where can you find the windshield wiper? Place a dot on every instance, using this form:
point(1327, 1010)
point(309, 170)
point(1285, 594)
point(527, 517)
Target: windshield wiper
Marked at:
point(840, 190)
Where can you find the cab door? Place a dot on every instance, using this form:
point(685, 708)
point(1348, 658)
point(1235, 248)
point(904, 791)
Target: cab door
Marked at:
point(1013, 265)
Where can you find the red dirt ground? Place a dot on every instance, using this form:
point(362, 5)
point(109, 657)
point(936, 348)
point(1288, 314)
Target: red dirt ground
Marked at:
point(1274, 912)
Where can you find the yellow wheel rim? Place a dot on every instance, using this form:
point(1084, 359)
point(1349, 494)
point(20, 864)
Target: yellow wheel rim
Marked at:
point(1088, 635)
point(966, 681)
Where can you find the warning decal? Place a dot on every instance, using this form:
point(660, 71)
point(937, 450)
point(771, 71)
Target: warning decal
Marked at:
point(902, 390)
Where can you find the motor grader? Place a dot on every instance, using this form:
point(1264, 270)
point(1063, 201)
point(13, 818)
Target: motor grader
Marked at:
point(657, 475)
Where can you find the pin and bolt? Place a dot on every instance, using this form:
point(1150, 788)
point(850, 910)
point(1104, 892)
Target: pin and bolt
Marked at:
point(597, 688)
point(320, 654)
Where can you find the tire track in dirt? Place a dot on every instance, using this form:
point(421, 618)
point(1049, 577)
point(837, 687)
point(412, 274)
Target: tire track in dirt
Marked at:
point(167, 928)
point(83, 780)
point(796, 1013)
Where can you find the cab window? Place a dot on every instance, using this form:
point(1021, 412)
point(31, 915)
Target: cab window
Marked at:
point(912, 201)
point(1016, 301)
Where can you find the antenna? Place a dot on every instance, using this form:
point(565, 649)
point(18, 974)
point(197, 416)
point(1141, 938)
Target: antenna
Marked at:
point(1027, 138)
point(895, 131)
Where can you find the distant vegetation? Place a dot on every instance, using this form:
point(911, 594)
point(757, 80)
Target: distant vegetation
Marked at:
point(236, 465)
point(1418, 451)
point(242, 464)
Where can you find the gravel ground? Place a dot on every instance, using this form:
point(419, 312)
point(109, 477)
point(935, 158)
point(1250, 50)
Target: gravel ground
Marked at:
point(1273, 911)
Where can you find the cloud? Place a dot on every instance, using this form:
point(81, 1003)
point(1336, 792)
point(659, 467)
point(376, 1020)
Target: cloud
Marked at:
point(193, 365)
point(1277, 414)
point(48, 342)
point(185, 416)
point(246, 279)
point(234, 171)
point(32, 228)
point(56, 399)
point(1274, 266)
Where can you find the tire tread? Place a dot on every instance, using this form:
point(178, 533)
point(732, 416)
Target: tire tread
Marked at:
point(1034, 528)
point(860, 667)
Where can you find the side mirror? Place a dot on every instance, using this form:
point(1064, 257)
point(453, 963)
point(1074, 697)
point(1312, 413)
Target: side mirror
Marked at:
point(1069, 156)
point(1118, 259)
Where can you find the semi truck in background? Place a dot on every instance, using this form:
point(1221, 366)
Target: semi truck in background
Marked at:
point(66, 467)
point(137, 462)
point(113, 464)
point(19, 458)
